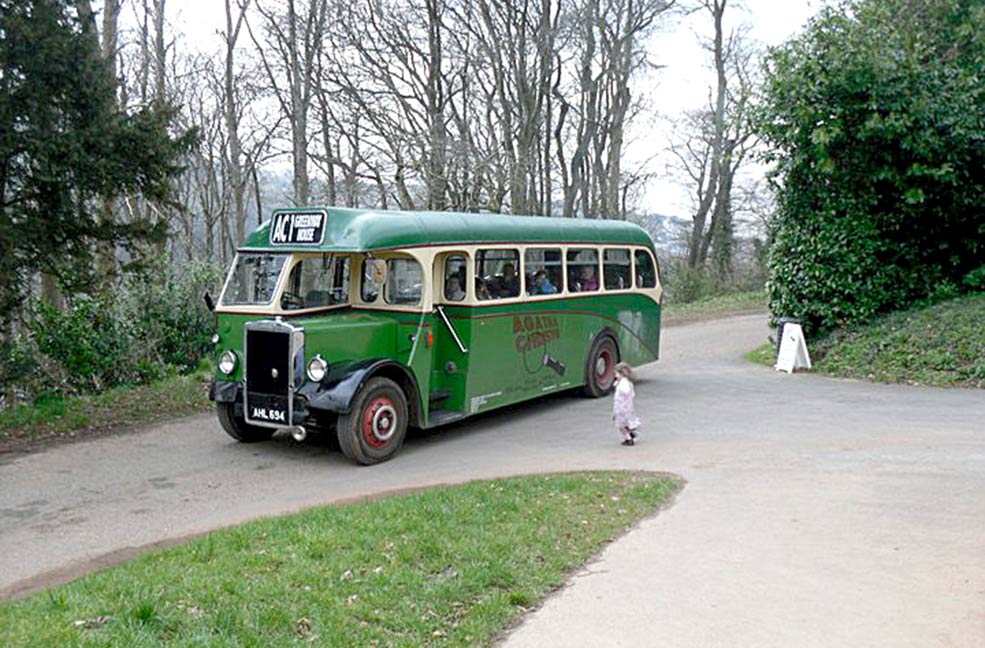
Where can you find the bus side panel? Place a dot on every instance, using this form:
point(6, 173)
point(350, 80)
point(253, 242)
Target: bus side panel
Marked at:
point(522, 351)
point(518, 352)
point(638, 333)
point(633, 319)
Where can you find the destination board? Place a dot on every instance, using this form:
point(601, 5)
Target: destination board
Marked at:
point(298, 227)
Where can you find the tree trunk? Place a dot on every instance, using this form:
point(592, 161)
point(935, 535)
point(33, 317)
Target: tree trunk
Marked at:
point(237, 181)
point(694, 259)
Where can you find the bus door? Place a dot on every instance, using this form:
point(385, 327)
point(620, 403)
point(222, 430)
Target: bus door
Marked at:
point(498, 377)
point(452, 328)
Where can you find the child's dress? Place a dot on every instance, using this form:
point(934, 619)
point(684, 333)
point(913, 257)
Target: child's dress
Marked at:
point(623, 411)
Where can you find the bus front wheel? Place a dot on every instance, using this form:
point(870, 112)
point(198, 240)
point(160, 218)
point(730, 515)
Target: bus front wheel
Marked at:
point(601, 371)
point(239, 429)
point(375, 427)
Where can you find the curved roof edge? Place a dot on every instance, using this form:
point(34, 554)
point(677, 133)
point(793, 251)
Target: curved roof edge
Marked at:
point(361, 230)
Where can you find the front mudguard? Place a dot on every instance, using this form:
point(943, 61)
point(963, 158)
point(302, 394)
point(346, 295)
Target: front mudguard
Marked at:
point(336, 392)
point(224, 391)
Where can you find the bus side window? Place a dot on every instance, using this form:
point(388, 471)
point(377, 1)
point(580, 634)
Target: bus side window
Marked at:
point(372, 277)
point(404, 280)
point(542, 268)
point(583, 270)
point(454, 277)
point(497, 270)
point(646, 275)
point(616, 266)
point(340, 282)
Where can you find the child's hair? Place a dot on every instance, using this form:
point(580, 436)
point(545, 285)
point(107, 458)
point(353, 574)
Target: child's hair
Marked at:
point(624, 369)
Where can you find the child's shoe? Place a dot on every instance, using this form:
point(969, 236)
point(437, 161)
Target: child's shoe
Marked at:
point(628, 442)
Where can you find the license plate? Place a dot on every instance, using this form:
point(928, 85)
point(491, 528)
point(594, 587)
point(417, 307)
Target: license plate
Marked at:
point(263, 408)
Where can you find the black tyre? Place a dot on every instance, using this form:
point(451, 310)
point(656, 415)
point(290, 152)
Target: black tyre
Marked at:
point(375, 427)
point(239, 429)
point(600, 373)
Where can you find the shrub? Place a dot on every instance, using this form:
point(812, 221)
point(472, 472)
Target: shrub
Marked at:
point(875, 116)
point(171, 317)
point(90, 342)
point(140, 332)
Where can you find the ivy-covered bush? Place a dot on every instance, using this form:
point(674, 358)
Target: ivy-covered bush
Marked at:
point(145, 329)
point(171, 317)
point(875, 116)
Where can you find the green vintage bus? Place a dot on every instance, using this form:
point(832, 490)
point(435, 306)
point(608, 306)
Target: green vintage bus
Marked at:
point(366, 322)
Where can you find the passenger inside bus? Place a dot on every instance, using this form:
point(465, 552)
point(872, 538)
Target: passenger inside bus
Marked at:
point(481, 292)
point(587, 281)
point(453, 288)
point(542, 284)
point(509, 283)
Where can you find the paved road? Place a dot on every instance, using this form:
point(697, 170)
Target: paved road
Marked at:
point(817, 512)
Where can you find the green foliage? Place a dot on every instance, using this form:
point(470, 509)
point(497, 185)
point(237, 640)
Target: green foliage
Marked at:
point(63, 143)
point(736, 303)
point(54, 416)
point(975, 280)
point(876, 119)
point(89, 346)
point(143, 331)
point(172, 320)
point(942, 344)
point(684, 285)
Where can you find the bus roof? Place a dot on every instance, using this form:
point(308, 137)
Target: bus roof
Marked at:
point(364, 230)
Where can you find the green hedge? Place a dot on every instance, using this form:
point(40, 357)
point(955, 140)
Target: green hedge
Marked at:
point(144, 330)
point(875, 116)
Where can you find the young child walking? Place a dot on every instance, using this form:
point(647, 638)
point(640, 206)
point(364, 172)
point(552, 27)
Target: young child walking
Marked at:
point(623, 410)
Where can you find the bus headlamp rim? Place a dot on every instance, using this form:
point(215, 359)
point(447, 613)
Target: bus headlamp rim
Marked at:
point(227, 362)
point(317, 368)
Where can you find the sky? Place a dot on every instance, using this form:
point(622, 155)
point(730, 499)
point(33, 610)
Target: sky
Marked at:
point(685, 81)
point(682, 83)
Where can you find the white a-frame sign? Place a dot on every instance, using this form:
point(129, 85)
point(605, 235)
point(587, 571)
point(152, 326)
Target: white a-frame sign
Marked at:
point(793, 350)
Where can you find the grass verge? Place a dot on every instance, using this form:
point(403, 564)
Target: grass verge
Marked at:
point(713, 307)
point(60, 417)
point(941, 345)
point(450, 566)
point(764, 355)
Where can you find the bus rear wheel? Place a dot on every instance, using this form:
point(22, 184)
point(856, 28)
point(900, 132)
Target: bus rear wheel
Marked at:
point(601, 371)
point(239, 429)
point(376, 424)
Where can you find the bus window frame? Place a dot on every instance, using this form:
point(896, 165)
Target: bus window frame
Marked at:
point(252, 307)
point(435, 258)
point(658, 284)
point(578, 247)
point(517, 268)
point(356, 274)
point(295, 259)
point(561, 289)
point(439, 262)
point(632, 278)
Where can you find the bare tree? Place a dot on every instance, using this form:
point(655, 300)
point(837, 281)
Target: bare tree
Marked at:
point(718, 141)
point(608, 46)
point(289, 54)
point(231, 110)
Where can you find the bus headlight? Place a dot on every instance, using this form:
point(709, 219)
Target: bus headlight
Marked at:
point(227, 362)
point(317, 369)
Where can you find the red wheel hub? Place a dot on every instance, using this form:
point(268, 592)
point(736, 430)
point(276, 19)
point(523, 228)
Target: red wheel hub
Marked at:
point(605, 368)
point(379, 421)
